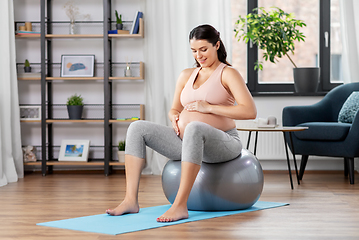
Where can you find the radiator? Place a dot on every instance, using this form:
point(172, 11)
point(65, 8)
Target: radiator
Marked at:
point(270, 145)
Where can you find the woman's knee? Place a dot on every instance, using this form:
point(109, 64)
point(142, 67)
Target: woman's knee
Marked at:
point(134, 139)
point(195, 128)
point(136, 126)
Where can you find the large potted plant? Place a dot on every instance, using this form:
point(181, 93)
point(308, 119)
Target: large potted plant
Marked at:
point(75, 106)
point(275, 32)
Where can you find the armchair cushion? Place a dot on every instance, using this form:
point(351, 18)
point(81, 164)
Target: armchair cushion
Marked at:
point(324, 131)
point(349, 108)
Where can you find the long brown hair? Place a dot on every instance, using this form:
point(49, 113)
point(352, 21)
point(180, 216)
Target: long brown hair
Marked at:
point(210, 34)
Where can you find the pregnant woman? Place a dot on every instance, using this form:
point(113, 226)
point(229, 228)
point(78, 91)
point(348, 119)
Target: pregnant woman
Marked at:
point(203, 128)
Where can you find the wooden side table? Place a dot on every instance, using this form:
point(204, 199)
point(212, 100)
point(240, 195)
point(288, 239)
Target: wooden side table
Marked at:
point(284, 130)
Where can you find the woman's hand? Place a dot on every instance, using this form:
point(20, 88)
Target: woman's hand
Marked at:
point(198, 106)
point(174, 121)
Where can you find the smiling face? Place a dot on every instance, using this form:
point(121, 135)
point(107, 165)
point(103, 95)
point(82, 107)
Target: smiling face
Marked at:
point(204, 52)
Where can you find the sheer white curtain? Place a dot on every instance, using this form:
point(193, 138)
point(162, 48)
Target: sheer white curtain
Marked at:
point(350, 39)
point(11, 165)
point(167, 26)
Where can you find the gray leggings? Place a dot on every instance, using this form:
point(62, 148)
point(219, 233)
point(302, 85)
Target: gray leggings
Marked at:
point(201, 142)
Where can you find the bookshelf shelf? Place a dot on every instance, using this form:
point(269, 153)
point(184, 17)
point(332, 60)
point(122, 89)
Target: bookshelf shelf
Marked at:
point(31, 121)
point(114, 163)
point(27, 36)
point(70, 163)
point(74, 121)
point(74, 78)
point(29, 79)
point(74, 36)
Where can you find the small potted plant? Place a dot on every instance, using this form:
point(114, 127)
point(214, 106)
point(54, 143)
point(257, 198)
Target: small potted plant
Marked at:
point(276, 32)
point(121, 151)
point(119, 24)
point(75, 106)
point(27, 67)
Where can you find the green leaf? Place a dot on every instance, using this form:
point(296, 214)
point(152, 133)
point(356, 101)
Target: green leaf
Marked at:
point(274, 31)
point(75, 99)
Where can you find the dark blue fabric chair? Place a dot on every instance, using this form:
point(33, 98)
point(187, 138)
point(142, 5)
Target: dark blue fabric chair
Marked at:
point(325, 136)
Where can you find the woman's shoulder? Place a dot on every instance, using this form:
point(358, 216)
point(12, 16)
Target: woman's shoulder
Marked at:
point(231, 74)
point(187, 71)
point(230, 70)
point(185, 74)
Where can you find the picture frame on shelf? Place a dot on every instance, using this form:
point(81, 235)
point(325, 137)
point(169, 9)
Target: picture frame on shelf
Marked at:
point(30, 112)
point(74, 150)
point(77, 65)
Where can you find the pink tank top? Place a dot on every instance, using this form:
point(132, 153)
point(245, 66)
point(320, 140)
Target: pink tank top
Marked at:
point(211, 91)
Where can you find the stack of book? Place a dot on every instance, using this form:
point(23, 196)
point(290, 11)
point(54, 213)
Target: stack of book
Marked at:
point(27, 33)
point(136, 23)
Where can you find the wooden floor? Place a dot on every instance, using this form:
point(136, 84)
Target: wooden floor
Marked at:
point(324, 206)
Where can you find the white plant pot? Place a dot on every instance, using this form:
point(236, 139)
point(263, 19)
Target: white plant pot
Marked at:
point(121, 156)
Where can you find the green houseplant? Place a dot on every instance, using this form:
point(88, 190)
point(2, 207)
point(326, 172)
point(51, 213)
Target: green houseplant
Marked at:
point(275, 32)
point(121, 151)
point(119, 24)
point(75, 106)
point(27, 67)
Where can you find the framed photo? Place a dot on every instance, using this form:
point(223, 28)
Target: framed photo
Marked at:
point(74, 150)
point(77, 65)
point(30, 112)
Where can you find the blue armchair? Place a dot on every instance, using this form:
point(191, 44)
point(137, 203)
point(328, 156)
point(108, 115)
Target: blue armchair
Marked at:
point(325, 136)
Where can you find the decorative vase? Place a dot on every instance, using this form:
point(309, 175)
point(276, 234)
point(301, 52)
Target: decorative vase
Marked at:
point(128, 71)
point(27, 69)
point(72, 28)
point(306, 80)
point(121, 156)
point(119, 26)
point(75, 112)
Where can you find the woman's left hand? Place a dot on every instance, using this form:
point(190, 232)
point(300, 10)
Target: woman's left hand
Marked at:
point(198, 106)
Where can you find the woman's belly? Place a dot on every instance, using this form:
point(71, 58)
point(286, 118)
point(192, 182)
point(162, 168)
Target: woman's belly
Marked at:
point(219, 122)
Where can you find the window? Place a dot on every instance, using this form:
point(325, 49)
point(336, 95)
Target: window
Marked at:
point(336, 43)
point(323, 28)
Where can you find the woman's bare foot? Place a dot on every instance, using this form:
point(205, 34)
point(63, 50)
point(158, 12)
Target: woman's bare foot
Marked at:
point(124, 208)
point(173, 214)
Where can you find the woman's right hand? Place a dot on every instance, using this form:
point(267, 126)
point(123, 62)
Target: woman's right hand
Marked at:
point(174, 120)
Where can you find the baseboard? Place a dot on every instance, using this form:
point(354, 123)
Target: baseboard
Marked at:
point(314, 163)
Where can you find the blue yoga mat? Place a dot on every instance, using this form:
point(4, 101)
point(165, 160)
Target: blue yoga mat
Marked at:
point(145, 219)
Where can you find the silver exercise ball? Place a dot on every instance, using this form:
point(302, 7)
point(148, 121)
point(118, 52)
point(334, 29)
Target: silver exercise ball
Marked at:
point(232, 185)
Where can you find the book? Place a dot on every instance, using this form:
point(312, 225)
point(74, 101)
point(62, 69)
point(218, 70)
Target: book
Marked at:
point(123, 32)
point(136, 23)
point(27, 32)
point(118, 31)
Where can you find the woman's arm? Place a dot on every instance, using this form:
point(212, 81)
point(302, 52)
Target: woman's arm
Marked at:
point(177, 107)
point(234, 83)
